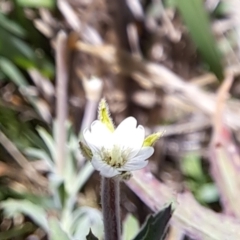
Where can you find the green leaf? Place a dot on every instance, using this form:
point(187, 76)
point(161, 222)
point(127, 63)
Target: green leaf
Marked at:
point(82, 177)
point(91, 236)
point(191, 166)
point(70, 171)
point(221, 10)
point(155, 226)
point(22, 54)
point(85, 218)
point(48, 140)
point(56, 231)
point(208, 193)
point(36, 213)
point(11, 26)
point(12, 72)
point(37, 3)
point(39, 155)
point(130, 227)
point(198, 24)
point(14, 48)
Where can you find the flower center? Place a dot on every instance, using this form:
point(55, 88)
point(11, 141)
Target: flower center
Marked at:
point(115, 157)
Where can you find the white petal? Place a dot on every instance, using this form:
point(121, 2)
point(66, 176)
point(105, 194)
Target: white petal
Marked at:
point(99, 130)
point(143, 154)
point(105, 169)
point(127, 124)
point(108, 171)
point(136, 165)
point(100, 136)
point(125, 129)
point(127, 136)
point(90, 141)
point(137, 141)
point(139, 161)
point(97, 162)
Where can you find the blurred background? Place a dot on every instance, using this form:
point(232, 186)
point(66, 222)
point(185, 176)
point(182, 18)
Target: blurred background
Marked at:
point(172, 64)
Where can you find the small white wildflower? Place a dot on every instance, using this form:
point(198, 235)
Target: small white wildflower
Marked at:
point(117, 151)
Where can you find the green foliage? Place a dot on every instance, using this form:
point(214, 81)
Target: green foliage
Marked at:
point(85, 218)
point(130, 227)
point(49, 141)
point(35, 212)
point(73, 180)
point(191, 166)
point(221, 9)
point(19, 47)
point(207, 193)
point(37, 3)
point(198, 24)
point(155, 226)
point(72, 222)
point(17, 50)
point(197, 180)
point(20, 132)
point(12, 26)
point(12, 72)
point(56, 231)
point(91, 236)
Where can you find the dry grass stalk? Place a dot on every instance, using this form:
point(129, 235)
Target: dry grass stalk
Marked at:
point(62, 100)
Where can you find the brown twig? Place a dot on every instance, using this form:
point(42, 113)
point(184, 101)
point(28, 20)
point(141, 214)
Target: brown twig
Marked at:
point(221, 102)
point(62, 101)
point(88, 33)
point(183, 128)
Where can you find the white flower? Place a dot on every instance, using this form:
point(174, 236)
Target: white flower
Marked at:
point(119, 151)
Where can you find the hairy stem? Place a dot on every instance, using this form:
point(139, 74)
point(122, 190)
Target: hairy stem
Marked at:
point(110, 208)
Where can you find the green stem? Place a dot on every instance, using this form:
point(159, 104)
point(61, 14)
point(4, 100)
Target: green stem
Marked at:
point(111, 208)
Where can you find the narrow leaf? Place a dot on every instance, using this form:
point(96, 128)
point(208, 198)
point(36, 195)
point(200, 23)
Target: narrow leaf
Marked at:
point(198, 24)
point(82, 177)
point(48, 140)
point(56, 231)
point(12, 26)
point(91, 236)
point(35, 212)
point(40, 155)
point(155, 226)
point(12, 72)
point(130, 227)
point(37, 3)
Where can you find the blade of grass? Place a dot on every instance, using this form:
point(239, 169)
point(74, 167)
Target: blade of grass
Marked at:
point(37, 3)
point(12, 72)
point(198, 24)
point(12, 26)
